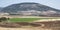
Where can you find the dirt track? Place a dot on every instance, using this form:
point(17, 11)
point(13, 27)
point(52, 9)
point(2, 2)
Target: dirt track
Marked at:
point(23, 29)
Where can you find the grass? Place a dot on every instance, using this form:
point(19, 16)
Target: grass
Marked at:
point(26, 19)
point(23, 19)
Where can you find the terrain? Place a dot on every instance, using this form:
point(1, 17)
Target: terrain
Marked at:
point(1, 8)
point(35, 25)
point(32, 9)
point(28, 16)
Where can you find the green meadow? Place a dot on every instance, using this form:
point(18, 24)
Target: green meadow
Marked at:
point(23, 19)
point(26, 19)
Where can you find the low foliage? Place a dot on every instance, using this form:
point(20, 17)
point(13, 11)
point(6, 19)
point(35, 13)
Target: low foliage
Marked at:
point(23, 19)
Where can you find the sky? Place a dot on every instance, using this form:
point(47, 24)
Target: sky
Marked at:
point(51, 3)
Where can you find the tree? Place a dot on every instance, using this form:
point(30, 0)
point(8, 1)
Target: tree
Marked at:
point(4, 19)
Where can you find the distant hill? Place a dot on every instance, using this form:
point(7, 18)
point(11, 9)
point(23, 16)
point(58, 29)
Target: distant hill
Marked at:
point(1, 9)
point(27, 6)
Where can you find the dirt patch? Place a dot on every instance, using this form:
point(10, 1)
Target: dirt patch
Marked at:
point(50, 24)
point(18, 24)
point(55, 25)
point(33, 24)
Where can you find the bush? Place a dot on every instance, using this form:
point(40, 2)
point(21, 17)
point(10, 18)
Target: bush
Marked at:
point(4, 19)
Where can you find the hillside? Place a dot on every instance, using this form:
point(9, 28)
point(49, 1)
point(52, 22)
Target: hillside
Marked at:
point(1, 8)
point(36, 8)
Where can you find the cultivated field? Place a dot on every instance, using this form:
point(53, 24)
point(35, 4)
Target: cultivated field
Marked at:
point(23, 19)
point(32, 19)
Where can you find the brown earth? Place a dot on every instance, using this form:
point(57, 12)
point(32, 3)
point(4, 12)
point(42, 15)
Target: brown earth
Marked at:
point(18, 24)
point(53, 25)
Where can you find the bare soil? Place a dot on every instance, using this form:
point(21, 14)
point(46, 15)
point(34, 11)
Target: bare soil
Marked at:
point(51, 25)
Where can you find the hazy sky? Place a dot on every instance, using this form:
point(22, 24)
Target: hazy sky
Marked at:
point(51, 3)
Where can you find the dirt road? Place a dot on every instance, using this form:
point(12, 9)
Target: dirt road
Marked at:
point(1, 28)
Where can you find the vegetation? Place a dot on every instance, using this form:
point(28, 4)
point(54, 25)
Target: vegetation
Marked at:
point(27, 19)
point(3, 19)
point(23, 19)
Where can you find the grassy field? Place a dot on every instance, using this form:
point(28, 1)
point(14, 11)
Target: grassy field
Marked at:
point(23, 19)
point(26, 19)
